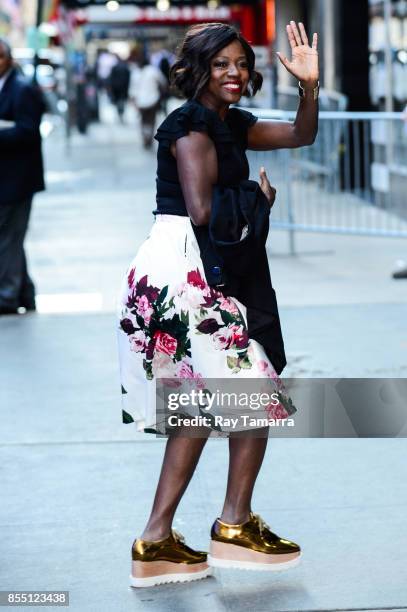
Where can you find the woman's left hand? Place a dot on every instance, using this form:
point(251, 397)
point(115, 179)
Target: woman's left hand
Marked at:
point(304, 62)
point(268, 190)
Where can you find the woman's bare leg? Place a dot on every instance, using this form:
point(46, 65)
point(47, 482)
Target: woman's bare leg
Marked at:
point(180, 460)
point(246, 454)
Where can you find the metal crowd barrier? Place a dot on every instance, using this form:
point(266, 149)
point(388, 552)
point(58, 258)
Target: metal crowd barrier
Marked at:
point(352, 180)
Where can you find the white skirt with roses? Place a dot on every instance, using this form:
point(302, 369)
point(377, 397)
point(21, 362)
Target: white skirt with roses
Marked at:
point(171, 324)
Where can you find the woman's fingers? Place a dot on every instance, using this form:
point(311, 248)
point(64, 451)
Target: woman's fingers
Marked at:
point(303, 33)
point(296, 32)
point(262, 173)
point(268, 190)
point(299, 36)
point(291, 38)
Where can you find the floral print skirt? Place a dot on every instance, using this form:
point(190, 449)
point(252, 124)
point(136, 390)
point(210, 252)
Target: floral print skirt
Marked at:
point(171, 324)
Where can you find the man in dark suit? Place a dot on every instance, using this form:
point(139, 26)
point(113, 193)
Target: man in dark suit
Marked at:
point(21, 175)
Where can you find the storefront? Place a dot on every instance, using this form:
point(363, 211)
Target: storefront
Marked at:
point(388, 54)
point(134, 26)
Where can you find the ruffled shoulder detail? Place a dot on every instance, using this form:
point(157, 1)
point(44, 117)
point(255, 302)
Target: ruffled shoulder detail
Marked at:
point(242, 116)
point(240, 120)
point(193, 116)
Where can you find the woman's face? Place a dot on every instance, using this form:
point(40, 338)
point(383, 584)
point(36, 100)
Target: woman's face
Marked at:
point(229, 73)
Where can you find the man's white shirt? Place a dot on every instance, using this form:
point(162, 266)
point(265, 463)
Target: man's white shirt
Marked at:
point(145, 85)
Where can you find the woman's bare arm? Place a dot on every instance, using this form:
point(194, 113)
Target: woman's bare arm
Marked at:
point(197, 165)
point(266, 135)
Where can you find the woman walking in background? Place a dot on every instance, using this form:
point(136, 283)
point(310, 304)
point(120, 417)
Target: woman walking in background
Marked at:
point(174, 323)
point(147, 86)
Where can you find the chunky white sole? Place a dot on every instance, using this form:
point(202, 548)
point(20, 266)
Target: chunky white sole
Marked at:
point(239, 557)
point(149, 581)
point(246, 565)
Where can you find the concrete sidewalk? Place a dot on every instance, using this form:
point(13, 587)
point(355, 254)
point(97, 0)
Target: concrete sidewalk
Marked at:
point(77, 484)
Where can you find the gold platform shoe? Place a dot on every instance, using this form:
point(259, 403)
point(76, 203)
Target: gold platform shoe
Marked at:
point(166, 560)
point(251, 545)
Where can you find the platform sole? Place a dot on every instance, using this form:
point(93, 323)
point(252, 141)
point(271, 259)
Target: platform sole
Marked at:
point(146, 574)
point(238, 557)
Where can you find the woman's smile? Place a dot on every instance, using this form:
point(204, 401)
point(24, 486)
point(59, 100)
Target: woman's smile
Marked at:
point(233, 86)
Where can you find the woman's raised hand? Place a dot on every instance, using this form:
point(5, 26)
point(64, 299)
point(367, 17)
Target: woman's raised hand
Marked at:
point(266, 188)
point(304, 61)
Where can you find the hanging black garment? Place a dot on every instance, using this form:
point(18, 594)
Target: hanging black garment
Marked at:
point(233, 252)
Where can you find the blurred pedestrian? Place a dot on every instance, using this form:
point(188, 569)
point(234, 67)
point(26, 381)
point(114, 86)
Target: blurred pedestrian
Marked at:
point(119, 82)
point(163, 60)
point(104, 64)
point(92, 94)
point(21, 175)
point(197, 302)
point(79, 81)
point(148, 85)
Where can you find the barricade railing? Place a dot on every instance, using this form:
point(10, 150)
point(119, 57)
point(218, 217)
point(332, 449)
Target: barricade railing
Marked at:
point(352, 180)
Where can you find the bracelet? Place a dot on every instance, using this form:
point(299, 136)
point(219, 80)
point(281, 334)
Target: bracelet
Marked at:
point(301, 91)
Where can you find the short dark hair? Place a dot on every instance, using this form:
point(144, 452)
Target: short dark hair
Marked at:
point(192, 70)
point(6, 45)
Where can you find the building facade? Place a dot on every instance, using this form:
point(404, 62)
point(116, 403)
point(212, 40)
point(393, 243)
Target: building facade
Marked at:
point(363, 48)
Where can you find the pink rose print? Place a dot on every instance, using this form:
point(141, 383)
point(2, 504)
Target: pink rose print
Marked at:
point(185, 371)
point(240, 336)
point(138, 342)
point(276, 411)
point(144, 308)
point(223, 338)
point(164, 343)
point(228, 305)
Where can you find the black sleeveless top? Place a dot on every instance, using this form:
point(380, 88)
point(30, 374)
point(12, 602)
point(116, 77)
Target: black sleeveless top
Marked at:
point(230, 140)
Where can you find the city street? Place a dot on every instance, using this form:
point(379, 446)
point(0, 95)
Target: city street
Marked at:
point(78, 484)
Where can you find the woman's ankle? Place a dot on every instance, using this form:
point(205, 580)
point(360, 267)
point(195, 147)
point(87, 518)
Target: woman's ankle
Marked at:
point(156, 530)
point(152, 535)
point(233, 516)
